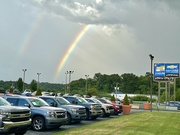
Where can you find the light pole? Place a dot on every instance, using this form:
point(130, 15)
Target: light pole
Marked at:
point(116, 88)
point(70, 72)
point(38, 80)
point(151, 57)
point(66, 82)
point(86, 83)
point(24, 70)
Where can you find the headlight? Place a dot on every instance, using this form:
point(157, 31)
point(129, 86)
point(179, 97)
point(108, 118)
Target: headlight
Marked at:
point(4, 113)
point(91, 107)
point(51, 114)
point(74, 110)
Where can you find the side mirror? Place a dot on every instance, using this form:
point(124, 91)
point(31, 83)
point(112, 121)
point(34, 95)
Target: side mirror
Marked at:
point(52, 104)
point(27, 105)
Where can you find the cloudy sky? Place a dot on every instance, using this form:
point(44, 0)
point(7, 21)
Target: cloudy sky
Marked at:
point(86, 36)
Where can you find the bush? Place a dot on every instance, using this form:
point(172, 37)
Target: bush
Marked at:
point(140, 98)
point(113, 98)
point(126, 101)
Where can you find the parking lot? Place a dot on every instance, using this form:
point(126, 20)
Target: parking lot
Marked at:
point(85, 122)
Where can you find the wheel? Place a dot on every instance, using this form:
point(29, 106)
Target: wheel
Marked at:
point(22, 132)
point(107, 115)
point(87, 114)
point(68, 119)
point(93, 118)
point(103, 113)
point(38, 124)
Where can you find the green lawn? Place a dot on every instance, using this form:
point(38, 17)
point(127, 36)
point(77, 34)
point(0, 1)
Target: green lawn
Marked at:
point(142, 123)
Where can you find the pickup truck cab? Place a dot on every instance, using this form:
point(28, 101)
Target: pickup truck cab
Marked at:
point(14, 119)
point(75, 113)
point(43, 116)
point(107, 109)
point(93, 110)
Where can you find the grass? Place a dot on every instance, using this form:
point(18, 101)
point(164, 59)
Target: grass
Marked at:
point(142, 123)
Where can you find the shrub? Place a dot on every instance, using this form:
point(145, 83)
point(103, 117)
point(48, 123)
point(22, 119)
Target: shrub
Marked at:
point(112, 98)
point(140, 98)
point(126, 101)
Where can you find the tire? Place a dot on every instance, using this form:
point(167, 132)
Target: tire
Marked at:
point(87, 114)
point(108, 115)
point(68, 119)
point(38, 124)
point(103, 113)
point(22, 132)
point(93, 118)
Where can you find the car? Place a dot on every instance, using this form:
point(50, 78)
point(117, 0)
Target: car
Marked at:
point(43, 116)
point(14, 119)
point(117, 107)
point(107, 109)
point(75, 113)
point(174, 103)
point(93, 110)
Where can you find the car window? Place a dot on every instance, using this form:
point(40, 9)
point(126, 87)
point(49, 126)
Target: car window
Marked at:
point(63, 101)
point(37, 102)
point(50, 101)
point(13, 101)
point(3, 102)
point(22, 102)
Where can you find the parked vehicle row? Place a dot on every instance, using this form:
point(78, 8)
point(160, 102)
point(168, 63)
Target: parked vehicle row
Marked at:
point(44, 112)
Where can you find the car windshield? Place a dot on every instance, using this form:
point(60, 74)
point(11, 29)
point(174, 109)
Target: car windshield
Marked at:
point(97, 101)
point(82, 100)
point(3, 102)
point(36, 102)
point(63, 101)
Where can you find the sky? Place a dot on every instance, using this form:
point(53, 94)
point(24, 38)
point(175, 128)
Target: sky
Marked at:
point(51, 37)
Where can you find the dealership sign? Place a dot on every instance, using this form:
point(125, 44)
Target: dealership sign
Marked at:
point(166, 71)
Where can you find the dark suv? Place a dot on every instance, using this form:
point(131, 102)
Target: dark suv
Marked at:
point(93, 110)
point(75, 113)
point(43, 116)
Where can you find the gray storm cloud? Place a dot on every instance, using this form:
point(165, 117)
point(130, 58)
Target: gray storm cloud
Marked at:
point(105, 11)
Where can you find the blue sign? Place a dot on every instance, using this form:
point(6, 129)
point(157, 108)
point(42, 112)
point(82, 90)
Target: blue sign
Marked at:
point(159, 70)
point(172, 70)
point(166, 71)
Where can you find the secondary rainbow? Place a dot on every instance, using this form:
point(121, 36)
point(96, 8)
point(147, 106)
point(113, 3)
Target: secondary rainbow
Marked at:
point(71, 48)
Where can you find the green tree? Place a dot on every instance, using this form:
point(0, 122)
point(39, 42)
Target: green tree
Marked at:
point(33, 85)
point(39, 92)
point(20, 84)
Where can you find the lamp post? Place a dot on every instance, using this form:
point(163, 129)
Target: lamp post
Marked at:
point(116, 89)
point(70, 72)
point(86, 83)
point(24, 70)
point(66, 81)
point(38, 80)
point(151, 57)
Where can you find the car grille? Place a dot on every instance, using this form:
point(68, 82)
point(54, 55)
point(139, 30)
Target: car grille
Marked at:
point(18, 116)
point(81, 111)
point(97, 107)
point(60, 114)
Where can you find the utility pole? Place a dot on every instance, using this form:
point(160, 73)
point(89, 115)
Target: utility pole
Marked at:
point(151, 57)
point(70, 72)
point(86, 83)
point(38, 80)
point(24, 70)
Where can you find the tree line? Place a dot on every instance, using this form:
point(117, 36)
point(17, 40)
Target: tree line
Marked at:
point(100, 85)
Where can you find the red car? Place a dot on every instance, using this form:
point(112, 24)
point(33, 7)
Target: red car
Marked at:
point(117, 107)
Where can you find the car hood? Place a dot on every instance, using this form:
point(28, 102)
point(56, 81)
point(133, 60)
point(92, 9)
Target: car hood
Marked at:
point(14, 109)
point(49, 108)
point(72, 106)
